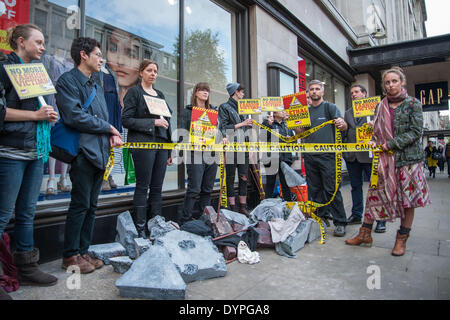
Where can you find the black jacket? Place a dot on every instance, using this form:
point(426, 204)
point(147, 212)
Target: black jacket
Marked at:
point(282, 129)
point(349, 136)
point(228, 117)
point(16, 134)
point(137, 118)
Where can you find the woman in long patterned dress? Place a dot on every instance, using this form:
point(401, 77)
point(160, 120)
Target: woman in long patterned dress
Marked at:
point(402, 185)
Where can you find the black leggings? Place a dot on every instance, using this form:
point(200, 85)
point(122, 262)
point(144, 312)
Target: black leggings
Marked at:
point(240, 162)
point(150, 167)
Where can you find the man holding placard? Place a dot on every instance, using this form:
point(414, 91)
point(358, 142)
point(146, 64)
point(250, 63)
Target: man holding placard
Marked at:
point(359, 164)
point(233, 127)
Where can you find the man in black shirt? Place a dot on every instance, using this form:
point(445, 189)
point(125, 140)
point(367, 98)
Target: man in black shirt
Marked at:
point(321, 167)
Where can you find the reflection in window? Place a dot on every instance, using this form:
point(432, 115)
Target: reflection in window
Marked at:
point(209, 48)
point(325, 77)
point(339, 95)
point(132, 34)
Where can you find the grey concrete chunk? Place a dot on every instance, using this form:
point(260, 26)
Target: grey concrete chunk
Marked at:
point(127, 232)
point(197, 258)
point(142, 245)
point(295, 241)
point(121, 264)
point(314, 232)
point(106, 251)
point(158, 227)
point(152, 276)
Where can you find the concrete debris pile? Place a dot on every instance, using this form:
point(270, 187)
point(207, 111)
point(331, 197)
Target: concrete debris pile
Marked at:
point(160, 267)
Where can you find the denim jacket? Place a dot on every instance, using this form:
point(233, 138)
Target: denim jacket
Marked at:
point(408, 130)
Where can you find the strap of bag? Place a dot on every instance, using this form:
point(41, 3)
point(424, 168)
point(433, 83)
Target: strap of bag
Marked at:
point(88, 102)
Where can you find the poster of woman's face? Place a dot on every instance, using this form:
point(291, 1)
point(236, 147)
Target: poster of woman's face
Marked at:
point(122, 56)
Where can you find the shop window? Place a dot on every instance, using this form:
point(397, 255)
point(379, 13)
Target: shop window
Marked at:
point(128, 42)
point(281, 80)
point(322, 75)
point(339, 95)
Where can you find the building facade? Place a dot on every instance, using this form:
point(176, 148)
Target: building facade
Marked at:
point(272, 47)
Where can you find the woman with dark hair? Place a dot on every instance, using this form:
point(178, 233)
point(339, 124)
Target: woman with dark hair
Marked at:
point(402, 185)
point(201, 173)
point(143, 126)
point(24, 148)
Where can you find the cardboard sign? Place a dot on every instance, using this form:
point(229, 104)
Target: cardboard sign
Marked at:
point(203, 126)
point(249, 106)
point(298, 117)
point(272, 104)
point(363, 134)
point(157, 106)
point(365, 107)
point(295, 99)
point(30, 80)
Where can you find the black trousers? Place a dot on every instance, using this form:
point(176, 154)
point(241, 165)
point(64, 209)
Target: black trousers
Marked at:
point(240, 162)
point(200, 183)
point(86, 185)
point(321, 179)
point(270, 185)
point(150, 167)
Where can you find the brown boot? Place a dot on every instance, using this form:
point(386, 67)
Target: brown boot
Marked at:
point(243, 209)
point(363, 238)
point(28, 272)
point(97, 263)
point(400, 244)
point(83, 265)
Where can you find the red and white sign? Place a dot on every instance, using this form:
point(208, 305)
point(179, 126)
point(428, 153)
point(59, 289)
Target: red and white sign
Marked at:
point(17, 12)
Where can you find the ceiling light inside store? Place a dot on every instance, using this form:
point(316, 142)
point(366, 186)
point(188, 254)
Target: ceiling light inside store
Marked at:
point(188, 10)
point(171, 2)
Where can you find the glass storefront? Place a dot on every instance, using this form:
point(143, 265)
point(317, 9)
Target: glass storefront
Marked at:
point(130, 32)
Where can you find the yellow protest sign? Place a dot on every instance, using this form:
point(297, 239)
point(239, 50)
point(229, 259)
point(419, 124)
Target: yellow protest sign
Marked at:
point(298, 117)
point(203, 126)
point(365, 107)
point(249, 106)
point(30, 80)
point(363, 134)
point(272, 104)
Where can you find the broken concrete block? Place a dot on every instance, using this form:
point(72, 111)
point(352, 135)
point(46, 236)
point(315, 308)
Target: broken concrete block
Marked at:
point(126, 232)
point(314, 233)
point(106, 251)
point(158, 227)
point(295, 241)
point(265, 236)
point(142, 245)
point(197, 258)
point(229, 253)
point(219, 223)
point(152, 276)
point(121, 264)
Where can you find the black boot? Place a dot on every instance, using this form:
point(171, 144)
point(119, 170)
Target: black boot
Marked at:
point(140, 220)
point(4, 295)
point(28, 272)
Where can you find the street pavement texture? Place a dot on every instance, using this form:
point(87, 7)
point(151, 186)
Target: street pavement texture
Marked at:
point(330, 271)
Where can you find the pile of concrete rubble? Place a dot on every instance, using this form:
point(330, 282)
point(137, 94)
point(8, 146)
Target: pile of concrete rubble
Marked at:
point(160, 267)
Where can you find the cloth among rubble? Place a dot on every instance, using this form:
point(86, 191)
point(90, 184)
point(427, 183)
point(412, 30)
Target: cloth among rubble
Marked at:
point(198, 227)
point(8, 278)
point(244, 254)
point(281, 229)
point(270, 209)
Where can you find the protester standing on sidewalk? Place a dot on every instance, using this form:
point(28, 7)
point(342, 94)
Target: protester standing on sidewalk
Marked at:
point(150, 165)
point(24, 147)
point(278, 124)
point(231, 124)
point(430, 152)
point(441, 160)
point(201, 171)
point(321, 168)
point(402, 186)
point(359, 164)
point(96, 137)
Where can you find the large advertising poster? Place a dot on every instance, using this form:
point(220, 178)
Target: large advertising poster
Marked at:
point(13, 12)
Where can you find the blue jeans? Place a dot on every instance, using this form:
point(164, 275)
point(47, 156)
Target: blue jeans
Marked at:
point(20, 183)
point(356, 171)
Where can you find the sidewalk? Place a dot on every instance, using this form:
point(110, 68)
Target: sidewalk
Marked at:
point(330, 271)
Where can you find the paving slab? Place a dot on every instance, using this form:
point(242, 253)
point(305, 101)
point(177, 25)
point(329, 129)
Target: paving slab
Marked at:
point(106, 251)
point(126, 232)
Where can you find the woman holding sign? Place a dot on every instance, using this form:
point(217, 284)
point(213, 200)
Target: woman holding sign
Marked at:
point(199, 117)
point(402, 185)
point(142, 116)
point(24, 147)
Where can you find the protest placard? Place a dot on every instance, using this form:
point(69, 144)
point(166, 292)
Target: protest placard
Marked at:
point(272, 104)
point(249, 106)
point(365, 107)
point(157, 106)
point(203, 126)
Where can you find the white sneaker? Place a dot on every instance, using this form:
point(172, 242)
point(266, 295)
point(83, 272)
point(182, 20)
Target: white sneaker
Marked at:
point(51, 186)
point(64, 185)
